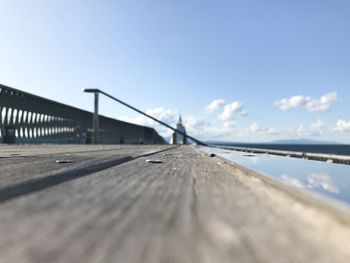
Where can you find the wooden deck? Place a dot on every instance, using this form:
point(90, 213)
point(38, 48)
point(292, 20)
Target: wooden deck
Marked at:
point(108, 204)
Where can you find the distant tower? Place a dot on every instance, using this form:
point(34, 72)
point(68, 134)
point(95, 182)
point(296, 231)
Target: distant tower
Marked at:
point(177, 137)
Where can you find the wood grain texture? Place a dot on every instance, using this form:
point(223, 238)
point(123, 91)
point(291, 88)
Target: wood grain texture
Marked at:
point(189, 208)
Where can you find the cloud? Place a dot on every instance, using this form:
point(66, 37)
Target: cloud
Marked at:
point(197, 127)
point(168, 116)
point(200, 128)
point(318, 125)
point(229, 126)
point(254, 127)
point(255, 130)
point(193, 124)
point(244, 113)
point(310, 104)
point(292, 102)
point(315, 129)
point(313, 180)
point(206, 129)
point(342, 125)
point(231, 109)
point(292, 181)
point(324, 103)
point(322, 181)
point(227, 130)
point(214, 105)
point(165, 115)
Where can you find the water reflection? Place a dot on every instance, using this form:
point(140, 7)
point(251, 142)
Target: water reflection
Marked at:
point(323, 181)
point(313, 180)
point(329, 179)
point(292, 181)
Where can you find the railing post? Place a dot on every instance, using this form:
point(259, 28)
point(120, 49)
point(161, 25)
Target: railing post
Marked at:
point(95, 122)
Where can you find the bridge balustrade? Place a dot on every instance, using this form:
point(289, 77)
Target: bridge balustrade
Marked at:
point(27, 118)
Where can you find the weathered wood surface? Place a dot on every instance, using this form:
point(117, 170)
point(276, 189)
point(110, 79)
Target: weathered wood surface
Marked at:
point(189, 208)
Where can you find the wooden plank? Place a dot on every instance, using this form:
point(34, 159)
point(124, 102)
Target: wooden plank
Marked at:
point(22, 163)
point(188, 208)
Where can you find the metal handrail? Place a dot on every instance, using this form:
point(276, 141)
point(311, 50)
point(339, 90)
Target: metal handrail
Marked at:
point(145, 114)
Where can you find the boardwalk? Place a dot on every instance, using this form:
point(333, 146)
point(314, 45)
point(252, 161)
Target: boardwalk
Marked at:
point(108, 204)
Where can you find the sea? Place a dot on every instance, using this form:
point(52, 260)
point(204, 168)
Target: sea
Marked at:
point(339, 149)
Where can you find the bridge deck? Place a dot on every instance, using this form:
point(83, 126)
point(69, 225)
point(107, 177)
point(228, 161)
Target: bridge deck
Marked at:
point(108, 204)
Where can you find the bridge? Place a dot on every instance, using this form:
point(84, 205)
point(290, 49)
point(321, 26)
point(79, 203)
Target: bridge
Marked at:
point(149, 202)
point(26, 118)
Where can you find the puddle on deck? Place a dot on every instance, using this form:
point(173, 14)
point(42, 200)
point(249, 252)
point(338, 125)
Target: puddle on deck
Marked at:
point(329, 179)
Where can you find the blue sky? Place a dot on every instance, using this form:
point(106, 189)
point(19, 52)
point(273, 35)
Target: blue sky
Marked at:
point(269, 69)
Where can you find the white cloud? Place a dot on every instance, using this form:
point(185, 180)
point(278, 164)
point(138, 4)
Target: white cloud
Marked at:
point(215, 104)
point(300, 132)
point(229, 126)
point(342, 125)
point(168, 116)
point(322, 104)
point(315, 129)
point(255, 131)
point(227, 130)
point(292, 181)
point(318, 125)
point(255, 128)
point(197, 127)
point(206, 129)
point(313, 180)
point(244, 113)
point(231, 109)
point(194, 125)
point(310, 104)
point(202, 129)
point(292, 102)
point(322, 181)
point(165, 115)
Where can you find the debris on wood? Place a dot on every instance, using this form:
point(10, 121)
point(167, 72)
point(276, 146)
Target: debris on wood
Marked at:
point(64, 161)
point(154, 161)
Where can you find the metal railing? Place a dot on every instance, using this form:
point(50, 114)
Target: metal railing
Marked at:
point(97, 91)
point(26, 118)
